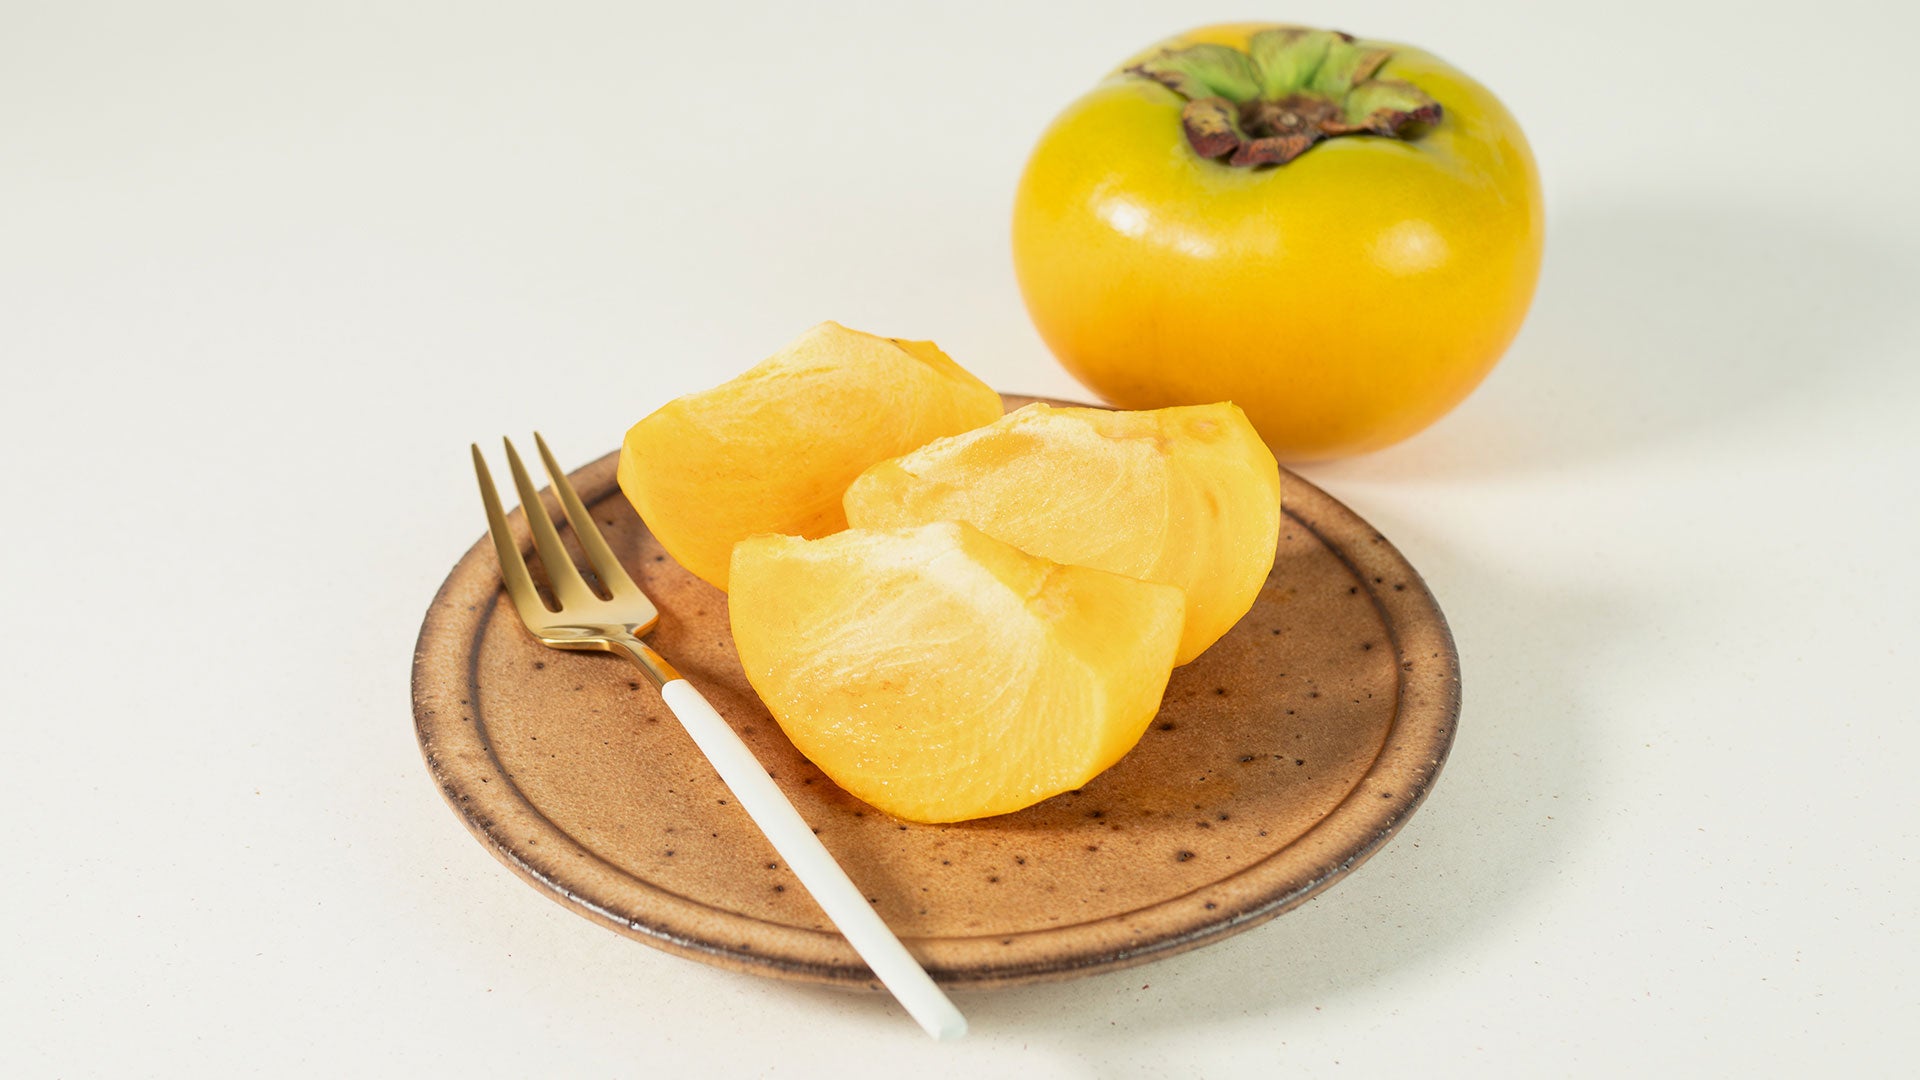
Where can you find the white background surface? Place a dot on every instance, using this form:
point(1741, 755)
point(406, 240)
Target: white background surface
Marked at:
point(264, 272)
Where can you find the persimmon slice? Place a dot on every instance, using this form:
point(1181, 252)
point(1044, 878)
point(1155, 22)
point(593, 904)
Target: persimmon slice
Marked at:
point(940, 674)
point(1186, 496)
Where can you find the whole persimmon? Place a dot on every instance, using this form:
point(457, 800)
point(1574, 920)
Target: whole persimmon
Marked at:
point(1340, 236)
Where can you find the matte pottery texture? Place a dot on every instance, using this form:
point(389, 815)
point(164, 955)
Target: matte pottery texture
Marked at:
point(1281, 758)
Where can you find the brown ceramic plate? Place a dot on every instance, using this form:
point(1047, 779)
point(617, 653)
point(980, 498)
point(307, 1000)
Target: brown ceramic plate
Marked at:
point(1281, 758)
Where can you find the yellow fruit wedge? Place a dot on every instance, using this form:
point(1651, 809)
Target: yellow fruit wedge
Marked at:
point(1186, 496)
point(942, 675)
point(773, 450)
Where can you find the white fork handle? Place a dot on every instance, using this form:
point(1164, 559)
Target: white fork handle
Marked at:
point(809, 860)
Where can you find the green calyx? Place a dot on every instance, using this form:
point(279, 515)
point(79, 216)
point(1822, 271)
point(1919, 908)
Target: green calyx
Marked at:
point(1290, 89)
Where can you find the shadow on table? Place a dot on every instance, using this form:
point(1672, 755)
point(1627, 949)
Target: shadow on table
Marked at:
point(1492, 831)
point(1659, 325)
point(1655, 326)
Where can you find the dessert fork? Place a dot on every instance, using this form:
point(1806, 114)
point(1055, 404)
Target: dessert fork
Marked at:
point(616, 623)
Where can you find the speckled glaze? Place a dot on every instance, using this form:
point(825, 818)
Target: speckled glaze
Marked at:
point(1281, 759)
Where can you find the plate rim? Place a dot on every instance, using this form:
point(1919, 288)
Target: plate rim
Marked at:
point(454, 745)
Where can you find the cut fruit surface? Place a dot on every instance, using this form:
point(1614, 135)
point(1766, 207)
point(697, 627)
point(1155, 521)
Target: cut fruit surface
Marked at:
point(940, 674)
point(1186, 496)
point(774, 449)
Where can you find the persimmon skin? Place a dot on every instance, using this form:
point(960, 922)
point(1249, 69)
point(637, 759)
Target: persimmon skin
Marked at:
point(1345, 300)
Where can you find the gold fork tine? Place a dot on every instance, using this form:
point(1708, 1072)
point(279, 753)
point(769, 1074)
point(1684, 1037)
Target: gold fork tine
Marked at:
point(616, 625)
point(604, 562)
point(568, 586)
point(513, 566)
